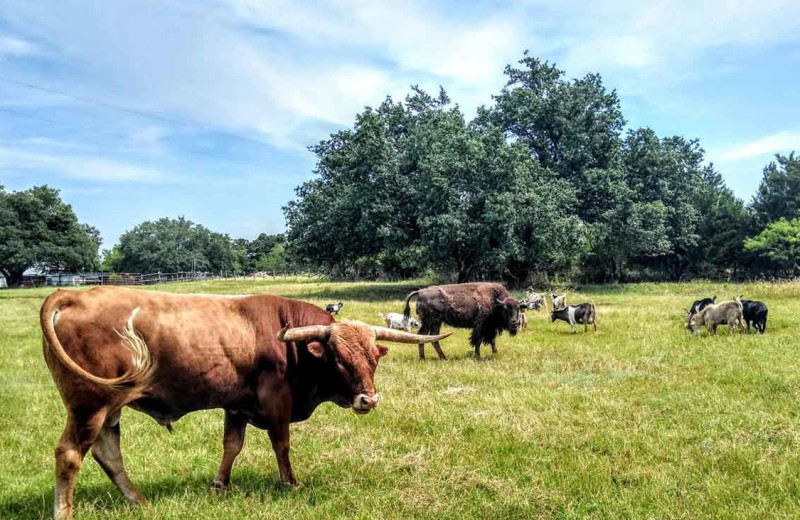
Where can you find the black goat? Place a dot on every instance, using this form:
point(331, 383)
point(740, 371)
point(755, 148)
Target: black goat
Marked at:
point(756, 312)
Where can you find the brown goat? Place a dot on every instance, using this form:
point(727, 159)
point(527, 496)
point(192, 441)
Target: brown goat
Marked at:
point(725, 313)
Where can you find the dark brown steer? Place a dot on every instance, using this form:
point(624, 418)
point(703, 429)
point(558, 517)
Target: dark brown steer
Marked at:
point(266, 361)
point(484, 307)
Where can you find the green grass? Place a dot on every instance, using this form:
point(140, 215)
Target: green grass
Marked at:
point(639, 421)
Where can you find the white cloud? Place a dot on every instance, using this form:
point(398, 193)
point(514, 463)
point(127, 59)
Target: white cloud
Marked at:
point(78, 167)
point(782, 142)
point(15, 47)
point(285, 72)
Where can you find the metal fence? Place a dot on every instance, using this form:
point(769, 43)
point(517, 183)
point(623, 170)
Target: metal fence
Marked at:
point(103, 278)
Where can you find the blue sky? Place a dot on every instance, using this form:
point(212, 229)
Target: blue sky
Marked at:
point(143, 109)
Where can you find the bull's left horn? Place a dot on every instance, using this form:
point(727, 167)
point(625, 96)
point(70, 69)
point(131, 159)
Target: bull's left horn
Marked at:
point(317, 332)
point(399, 336)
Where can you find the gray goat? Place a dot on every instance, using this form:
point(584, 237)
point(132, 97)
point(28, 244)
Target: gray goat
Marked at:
point(712, 316)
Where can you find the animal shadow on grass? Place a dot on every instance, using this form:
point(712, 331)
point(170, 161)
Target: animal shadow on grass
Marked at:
point(106, 497)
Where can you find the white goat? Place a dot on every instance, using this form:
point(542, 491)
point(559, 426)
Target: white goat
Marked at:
point(396, 320)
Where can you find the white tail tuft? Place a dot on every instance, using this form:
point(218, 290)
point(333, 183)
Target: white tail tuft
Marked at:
point(140, 354)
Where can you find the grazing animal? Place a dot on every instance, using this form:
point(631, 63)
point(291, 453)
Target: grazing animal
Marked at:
point(334, 308)
point(755, 312)
point(265, 360)
point(712, 316)
point(559, 302)
point(395, 320)
point(699, 305)
point(523, 320)
point(534, 300)
point(584, 314)
point(484, 307)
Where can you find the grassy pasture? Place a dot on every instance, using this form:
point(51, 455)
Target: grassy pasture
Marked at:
point(640, 421)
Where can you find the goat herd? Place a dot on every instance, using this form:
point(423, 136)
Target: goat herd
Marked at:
point(488, 309)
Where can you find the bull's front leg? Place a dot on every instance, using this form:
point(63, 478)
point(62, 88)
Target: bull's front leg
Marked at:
point(233, 440)
point(275, 400)
point(279, 435)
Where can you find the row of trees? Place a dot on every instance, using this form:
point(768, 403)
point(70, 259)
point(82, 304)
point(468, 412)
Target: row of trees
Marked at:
point(545, 180)
point(171, 245)
point(38, 230)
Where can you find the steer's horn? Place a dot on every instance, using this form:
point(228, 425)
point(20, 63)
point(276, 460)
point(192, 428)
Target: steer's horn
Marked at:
point(317, 332)
point(399, 336)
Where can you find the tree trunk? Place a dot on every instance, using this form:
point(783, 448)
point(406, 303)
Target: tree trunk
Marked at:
point(15, 278)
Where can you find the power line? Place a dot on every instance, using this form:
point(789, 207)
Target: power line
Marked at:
point(120, 108)
point(128, 137)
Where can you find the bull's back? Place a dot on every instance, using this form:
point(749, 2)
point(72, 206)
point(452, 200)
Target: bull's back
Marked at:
point(459, 305)
point(200, 345)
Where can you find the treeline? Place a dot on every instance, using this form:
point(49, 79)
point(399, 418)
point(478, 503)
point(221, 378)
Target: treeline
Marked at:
point(172, 245)
point(544, 182)
point(40, 231)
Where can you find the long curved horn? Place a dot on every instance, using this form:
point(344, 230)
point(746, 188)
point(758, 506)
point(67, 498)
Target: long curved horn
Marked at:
point(399, 336)
point(317, 332)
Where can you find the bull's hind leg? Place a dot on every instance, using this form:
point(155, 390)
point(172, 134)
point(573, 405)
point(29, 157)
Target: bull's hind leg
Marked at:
point(423, 329)
point(106, 452)
point(235, 425)
point(438, 348)
point(79, 434)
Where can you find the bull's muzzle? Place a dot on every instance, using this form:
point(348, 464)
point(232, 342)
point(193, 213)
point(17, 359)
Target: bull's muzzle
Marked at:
point(363, 403)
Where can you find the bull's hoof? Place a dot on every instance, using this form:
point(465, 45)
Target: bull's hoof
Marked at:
point(219, 487)
point(295, 484)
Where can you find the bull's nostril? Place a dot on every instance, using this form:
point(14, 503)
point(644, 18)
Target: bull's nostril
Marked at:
point(365, 401)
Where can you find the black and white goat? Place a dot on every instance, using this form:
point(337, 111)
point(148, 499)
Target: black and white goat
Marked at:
point(584, 314)
point(334, 308)
point(699, 305)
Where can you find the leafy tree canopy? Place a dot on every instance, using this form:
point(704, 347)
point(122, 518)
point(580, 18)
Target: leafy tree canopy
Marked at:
point(779, 244)
point(39, 230)
point(778, 194)
point(171, 245)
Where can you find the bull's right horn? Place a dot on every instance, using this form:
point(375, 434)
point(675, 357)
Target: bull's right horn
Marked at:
point(313, 332)
point(399, 336)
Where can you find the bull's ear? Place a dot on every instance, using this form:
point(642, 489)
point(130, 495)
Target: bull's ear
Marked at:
point(316, 349)
point(382, 351)
point(714, 299)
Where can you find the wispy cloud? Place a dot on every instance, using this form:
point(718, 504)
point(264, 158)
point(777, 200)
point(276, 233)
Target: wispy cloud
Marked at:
point(782, 142)
point(14, 47)
point(77, 167)
point(285, 71)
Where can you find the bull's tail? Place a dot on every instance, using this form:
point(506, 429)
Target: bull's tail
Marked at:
point(136, 377)
point(407, 310)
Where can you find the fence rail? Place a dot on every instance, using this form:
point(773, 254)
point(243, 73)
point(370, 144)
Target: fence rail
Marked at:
point(103, 278)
